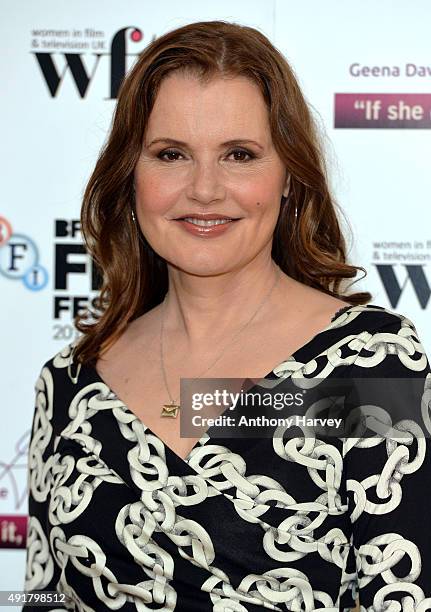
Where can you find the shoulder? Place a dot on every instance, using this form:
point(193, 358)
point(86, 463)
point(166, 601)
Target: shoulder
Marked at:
point(58, 387)
point(389, 339)
point(370, 319)
point(61, 361)
point(58, 376)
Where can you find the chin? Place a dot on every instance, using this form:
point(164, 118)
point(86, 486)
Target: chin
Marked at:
point(200, 269)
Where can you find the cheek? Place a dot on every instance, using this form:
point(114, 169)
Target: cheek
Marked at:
point(265, 208)
point(151, 195)
point(262, 192)
point(266, 213)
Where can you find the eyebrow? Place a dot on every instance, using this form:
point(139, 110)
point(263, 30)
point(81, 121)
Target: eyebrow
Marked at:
point(180, 143)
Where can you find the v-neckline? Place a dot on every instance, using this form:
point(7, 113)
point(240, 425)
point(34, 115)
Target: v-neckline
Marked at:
point(95, 374)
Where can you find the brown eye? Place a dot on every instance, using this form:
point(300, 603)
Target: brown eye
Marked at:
point(171, 153)
point(240, 153)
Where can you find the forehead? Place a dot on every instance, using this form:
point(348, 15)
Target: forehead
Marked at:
point(219, 106)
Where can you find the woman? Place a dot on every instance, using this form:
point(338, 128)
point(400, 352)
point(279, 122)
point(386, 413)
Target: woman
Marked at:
point(210, 216)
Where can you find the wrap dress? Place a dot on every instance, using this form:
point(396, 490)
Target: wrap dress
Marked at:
point(118, 521)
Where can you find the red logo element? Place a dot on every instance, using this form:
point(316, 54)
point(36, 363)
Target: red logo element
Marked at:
point(136, 35)
point(5, 231)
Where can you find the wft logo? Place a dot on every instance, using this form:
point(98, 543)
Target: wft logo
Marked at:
point(82, 66)
point(410, 255)
point(19, 258)
point(415, 277)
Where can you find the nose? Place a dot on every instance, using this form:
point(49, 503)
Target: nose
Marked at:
point(205, 183)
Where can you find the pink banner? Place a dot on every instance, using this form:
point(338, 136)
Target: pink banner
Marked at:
point(394, 110)
point(13, 530)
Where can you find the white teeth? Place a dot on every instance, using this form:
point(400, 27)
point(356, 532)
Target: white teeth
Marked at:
point(206, 222)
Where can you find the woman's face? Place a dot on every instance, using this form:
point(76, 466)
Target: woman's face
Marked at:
point(208, 150)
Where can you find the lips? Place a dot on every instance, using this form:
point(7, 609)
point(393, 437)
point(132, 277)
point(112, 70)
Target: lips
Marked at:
point(213, 224)
point(206, 222)
point(206, 216)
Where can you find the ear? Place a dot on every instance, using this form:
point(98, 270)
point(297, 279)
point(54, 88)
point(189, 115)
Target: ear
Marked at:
point(286, 186)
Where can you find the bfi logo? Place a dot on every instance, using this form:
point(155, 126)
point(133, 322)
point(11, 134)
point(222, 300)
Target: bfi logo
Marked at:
point(72, 263)
point(20, 259)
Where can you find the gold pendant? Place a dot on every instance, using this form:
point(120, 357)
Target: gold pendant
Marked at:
point(170, 410)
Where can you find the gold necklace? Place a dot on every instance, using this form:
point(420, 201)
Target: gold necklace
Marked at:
point(172, 409)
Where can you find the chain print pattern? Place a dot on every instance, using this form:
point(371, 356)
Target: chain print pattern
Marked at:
point(118, 521)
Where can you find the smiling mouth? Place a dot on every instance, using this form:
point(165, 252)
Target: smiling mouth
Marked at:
point(207, 222)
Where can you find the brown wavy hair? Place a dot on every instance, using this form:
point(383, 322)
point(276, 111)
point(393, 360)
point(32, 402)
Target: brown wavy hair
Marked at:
point(310, 248)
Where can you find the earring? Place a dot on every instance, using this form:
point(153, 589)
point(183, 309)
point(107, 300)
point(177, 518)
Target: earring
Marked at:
point(133, 212)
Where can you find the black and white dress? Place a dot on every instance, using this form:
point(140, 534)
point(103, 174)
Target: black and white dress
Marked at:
point(118, 521)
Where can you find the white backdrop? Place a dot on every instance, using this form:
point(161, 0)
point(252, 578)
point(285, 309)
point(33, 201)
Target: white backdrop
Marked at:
point(56, 109)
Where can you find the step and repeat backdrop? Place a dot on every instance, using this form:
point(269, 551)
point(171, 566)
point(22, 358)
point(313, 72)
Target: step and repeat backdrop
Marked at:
point(365, 69)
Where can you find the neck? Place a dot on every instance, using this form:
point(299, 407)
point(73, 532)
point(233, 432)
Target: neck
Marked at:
point(202, 307)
